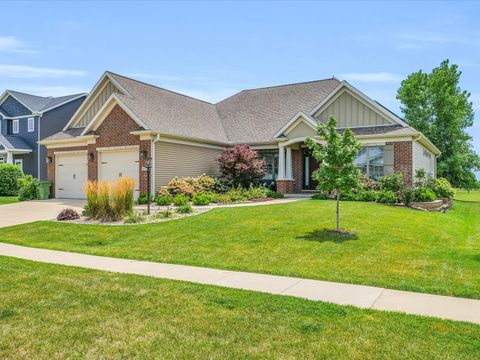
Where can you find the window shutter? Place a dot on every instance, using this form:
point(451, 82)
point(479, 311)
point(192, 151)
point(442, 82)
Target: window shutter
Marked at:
point(388, 159)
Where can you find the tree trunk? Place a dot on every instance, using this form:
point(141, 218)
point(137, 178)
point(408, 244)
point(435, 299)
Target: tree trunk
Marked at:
point(338, 211)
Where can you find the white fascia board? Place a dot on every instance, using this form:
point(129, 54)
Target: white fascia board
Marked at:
point(308, 120)
point(345, 85)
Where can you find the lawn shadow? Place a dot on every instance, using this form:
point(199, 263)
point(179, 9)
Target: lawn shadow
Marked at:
point(327, 235)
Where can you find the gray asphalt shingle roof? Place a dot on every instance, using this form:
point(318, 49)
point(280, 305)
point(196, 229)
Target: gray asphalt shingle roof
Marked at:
point(13, 142)
point(40, 103)
point(65, 134)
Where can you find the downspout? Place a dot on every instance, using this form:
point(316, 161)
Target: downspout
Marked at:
point(153, 151)
point(38, 148)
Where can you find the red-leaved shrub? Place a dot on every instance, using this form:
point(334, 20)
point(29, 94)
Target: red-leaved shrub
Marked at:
point(241, 166)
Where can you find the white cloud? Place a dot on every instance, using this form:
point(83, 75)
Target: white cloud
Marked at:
point(27, 72)
point(13, 45)
point(383, 77)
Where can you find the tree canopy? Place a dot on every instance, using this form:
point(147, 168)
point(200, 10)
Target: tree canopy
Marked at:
point(434, 104)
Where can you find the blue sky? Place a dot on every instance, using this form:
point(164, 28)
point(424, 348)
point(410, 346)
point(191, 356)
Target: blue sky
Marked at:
point(211, 50)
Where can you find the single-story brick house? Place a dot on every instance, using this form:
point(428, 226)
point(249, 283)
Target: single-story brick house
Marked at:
point(123, 122)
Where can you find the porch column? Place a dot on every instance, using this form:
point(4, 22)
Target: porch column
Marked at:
point(288, 170)
point(281, 162)
point(9, 157)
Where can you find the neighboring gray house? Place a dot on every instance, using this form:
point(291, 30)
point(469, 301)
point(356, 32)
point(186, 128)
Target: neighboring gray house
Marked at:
point(26, 119)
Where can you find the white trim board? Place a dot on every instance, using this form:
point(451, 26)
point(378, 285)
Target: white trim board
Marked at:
point(187, 142)
point(119, 148)
point(301, 117)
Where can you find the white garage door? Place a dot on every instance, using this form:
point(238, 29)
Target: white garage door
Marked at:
point(119, 163)
point(71, 174)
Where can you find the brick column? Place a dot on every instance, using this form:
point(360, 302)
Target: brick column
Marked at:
point(403, 160)
point(286, 186)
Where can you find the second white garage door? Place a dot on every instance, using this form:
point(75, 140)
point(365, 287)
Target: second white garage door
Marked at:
point(71, 173)
point(113, 164)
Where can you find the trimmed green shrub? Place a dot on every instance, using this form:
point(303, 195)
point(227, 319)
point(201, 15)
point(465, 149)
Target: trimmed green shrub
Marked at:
point(221, 199)
point(28, 188)
point(320, 196)
point(180, 200)
point(143, 198)
point(365, 195)
point(349, 196)
point(392, 182)
point(201, 199)
point(256, 192)
point(274, 194)
point(443, 189)
point(407, 196)
point(9, 176)
point(185, 209)
point(164, 200)
point(424, 194)
point(386, 197)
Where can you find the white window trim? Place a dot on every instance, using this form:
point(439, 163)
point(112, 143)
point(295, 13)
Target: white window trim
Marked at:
point(31, 124)
point(19, 163)
point(15, 124)
point(2, 160)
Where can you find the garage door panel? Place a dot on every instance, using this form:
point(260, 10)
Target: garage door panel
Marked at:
point(115, 164)
point(71, 174)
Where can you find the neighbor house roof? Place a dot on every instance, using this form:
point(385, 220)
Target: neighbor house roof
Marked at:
point(40, 103)
point(13, 143)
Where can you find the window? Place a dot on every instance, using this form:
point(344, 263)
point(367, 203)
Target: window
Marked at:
point(19, 163)
point(15, 126)
point(31, 124)
point(271, 161)
point(2, 159)
point(370, 161)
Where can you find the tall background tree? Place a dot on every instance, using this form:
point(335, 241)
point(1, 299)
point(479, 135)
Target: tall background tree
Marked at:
point(336, 171)
point(434, 104)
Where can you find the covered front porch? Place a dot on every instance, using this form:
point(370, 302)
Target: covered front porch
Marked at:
point(10, 149)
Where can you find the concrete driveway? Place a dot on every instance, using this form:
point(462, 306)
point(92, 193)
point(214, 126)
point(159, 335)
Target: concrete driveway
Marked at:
point(30, 211)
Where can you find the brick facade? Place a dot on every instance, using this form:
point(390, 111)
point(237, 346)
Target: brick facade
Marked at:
point(285, 186)
point(297, 164)
point(114, 131)
point(403, 160)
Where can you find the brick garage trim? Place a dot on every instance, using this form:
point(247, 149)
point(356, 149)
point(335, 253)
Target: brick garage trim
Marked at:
point(403, 160)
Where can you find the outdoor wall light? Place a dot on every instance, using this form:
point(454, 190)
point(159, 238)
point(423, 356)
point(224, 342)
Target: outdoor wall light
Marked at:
point(49, 159)
point(91, 156)
point(143, 154)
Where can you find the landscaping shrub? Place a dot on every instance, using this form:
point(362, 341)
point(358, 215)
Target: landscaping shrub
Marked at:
point(424, 194)
point(164, 200)
point(237, 194)
point(28, 188)
point(241, 166)
point(9, 176)
point(221, 199)
point(386, 197)
point(180, 200)
point(349, 196)
point(220, 186)
point(392, 182)
point(134, 218)
point(167, 213)
point(256, 192)
point(143, 198)
point(68, 214)
point(443, 189)
point(320, 196)
point(201, 199)
point(182, 186)
point(365, 195)
point(365, 183)
point(274, 194)
point(407, 196)
point(109, 201)
point(185, 209)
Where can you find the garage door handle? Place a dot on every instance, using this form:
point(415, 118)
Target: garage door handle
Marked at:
point(60, 189)
point(104, 162)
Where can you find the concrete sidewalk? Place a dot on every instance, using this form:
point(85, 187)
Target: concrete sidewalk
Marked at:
point(338, 293)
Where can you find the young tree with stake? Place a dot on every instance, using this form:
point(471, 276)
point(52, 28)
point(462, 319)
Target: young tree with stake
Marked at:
point(337, 171)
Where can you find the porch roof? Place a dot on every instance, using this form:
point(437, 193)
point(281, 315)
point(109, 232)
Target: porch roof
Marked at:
point(14, 143)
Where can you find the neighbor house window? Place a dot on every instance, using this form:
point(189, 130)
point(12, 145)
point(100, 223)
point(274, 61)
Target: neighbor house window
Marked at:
point(15, 126)
point(2, 159)
point(271, 161)
point(31, 124)
point(370, 161)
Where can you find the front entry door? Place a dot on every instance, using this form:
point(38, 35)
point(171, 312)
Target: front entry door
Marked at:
point(309, 166)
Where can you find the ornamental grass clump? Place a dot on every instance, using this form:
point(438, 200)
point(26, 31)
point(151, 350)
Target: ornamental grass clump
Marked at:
point(109, 201)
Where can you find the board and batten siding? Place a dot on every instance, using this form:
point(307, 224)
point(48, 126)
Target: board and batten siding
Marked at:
point(96, 104)
point(350, 112)
point(172, 159)
point(423, 159)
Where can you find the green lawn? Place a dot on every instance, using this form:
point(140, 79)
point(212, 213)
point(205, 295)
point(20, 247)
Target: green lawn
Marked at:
point(8, 200)
point(393, 247)
point(56, 312)
point(465, 195)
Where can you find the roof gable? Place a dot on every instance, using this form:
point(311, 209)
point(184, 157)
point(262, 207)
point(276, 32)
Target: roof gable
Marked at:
point(11, 106)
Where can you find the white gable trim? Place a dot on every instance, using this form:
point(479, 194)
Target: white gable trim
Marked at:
point(99, 85)
point(299, 117)
point(106, 109)
point(8, 93)
point(362, 97)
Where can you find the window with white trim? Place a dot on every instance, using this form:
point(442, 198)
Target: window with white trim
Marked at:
point(31, 124)
point(2, 160)
point(15, 126)
point(370, 161)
